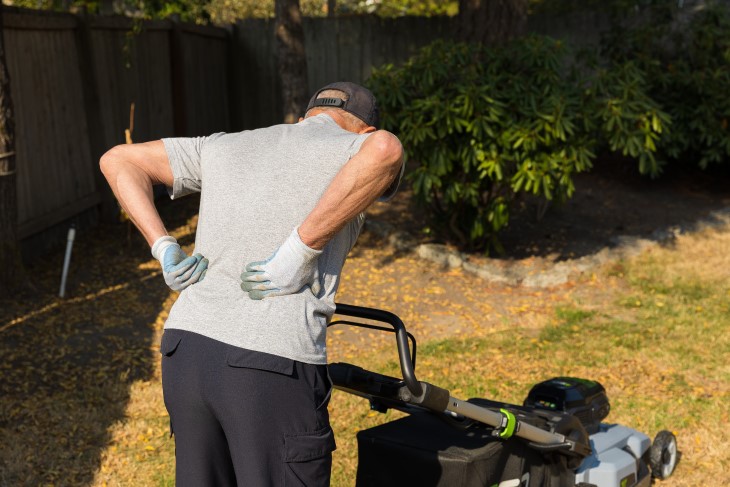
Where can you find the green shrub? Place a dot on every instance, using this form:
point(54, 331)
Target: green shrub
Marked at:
point(628, 120)
point(487, 126)
point(484, 126)
point(687, 67)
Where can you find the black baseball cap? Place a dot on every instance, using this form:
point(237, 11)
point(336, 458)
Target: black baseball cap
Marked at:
point(360, 101)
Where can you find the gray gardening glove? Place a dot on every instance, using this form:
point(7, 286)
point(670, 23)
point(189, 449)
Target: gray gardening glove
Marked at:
point(292, 267)
point(178, 269)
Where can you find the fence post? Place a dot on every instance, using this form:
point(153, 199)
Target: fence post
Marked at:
point(108, 208)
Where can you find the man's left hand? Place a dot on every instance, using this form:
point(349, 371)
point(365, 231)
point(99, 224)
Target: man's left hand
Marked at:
point(292, 267)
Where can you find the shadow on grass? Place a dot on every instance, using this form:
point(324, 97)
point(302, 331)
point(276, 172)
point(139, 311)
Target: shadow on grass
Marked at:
point(611, 202)
point(67, 365)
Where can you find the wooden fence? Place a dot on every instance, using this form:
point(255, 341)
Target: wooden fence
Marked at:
point(73, 79)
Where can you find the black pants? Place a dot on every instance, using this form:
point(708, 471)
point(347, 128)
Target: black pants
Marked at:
point(245, 418)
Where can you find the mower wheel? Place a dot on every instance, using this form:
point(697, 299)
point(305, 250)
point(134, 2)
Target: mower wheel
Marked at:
point(663, 455)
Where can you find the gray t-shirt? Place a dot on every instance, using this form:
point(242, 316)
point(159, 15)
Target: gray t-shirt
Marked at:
point(256, 186)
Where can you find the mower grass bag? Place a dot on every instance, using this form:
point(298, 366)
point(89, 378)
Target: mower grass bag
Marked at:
point(426, 451)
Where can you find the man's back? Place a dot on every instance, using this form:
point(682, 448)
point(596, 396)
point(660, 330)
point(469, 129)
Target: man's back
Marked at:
point(256, 186)
point(244, 370)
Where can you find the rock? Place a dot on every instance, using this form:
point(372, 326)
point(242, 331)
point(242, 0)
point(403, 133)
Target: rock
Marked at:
point(440, 254)
point(492, 273)
point(551, 278)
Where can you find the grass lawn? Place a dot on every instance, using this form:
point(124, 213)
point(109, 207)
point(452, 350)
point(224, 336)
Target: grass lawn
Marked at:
point(661, 348)
point(654, 330)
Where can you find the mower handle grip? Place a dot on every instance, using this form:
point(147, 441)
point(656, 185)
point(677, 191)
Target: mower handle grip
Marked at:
point(401, 337)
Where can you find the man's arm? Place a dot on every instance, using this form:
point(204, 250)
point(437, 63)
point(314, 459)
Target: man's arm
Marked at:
point(131, 171)
point(358, 184)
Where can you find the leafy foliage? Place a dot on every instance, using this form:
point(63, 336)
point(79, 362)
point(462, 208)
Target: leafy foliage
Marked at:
point(628, 120)
point(610, 7)
point(487, 126)
point(686, 65)
point(396, 8)
point(229, 11)
point(187, 10)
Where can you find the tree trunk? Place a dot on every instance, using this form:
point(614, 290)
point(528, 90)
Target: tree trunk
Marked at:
point(491, 22)
point(291, 59)
point(12, 274)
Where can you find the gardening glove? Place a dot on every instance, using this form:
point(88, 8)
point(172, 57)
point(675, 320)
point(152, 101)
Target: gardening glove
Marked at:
point(292, 267)
point(178, 269)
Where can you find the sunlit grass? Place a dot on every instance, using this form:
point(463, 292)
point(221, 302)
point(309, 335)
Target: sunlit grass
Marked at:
point(661, 350)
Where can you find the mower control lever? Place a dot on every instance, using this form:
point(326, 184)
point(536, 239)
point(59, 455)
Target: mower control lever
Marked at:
point(401, 336)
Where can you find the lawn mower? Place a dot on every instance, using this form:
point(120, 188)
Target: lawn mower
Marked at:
point(556, 438)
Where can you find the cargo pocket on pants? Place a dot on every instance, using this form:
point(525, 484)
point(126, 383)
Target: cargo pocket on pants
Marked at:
point(170, 341)
point(308, 458)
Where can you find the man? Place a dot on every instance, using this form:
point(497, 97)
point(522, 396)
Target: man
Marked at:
point(244, 359)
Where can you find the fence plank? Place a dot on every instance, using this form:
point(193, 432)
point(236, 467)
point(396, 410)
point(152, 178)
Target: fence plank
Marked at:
point(153, 111)
point(348, 48)
point(366, 47)
point(115, 71)
point(92, 109)
point(330, 39)
point(259, 82)
point(205, 63)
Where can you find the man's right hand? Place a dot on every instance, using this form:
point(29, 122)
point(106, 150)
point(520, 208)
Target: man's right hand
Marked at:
point(178, 268)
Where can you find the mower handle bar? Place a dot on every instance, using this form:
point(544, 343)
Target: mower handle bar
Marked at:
point(439, 400)
point(401, 337)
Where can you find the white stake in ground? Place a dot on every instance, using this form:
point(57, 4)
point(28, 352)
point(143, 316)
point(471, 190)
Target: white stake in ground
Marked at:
point(67, 260)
